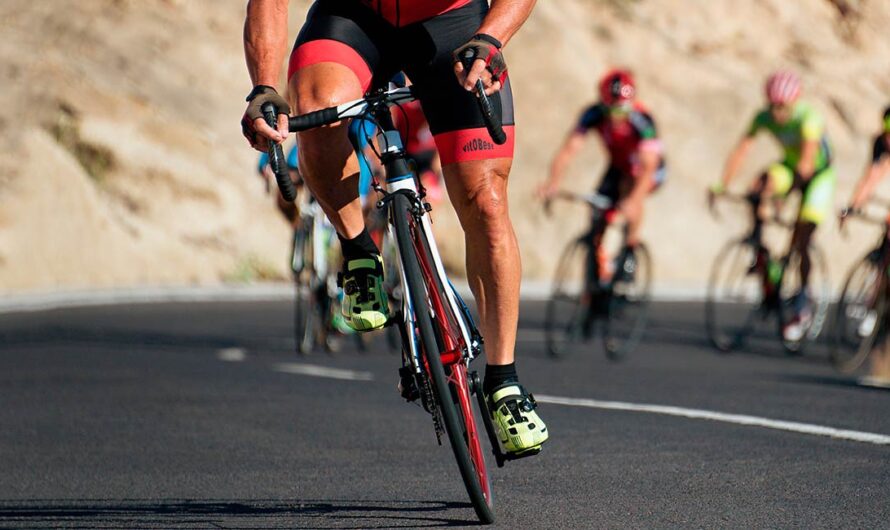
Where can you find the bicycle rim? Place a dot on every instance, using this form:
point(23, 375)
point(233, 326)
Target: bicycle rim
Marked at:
point(452, 392)
point(734, 296)
point(818, 294)
point(568, 321)
point(628, 306)
point(303, 320)
point(859, 316)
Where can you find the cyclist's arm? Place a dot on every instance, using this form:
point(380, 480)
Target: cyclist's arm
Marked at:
point(650, 159)
point(736, 159)
point(503, 20)
point(505, 17)
point(265, 45)
point(812, 130)
point(807, 164)
point(569, 150)
point(869, 181)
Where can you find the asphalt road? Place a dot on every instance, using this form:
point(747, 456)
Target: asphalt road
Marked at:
point(191, 416)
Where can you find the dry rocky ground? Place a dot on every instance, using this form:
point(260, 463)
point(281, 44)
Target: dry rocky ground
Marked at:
point(123, 162)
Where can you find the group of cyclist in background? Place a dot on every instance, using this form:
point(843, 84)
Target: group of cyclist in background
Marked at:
point(636, 167)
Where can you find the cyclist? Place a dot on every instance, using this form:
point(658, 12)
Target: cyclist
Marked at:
point(806, 166)
point(344, 48)
point(874, 172)
point(288, 209)
point(636, 155)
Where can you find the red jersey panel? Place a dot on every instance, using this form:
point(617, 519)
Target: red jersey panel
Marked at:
point(404, 12)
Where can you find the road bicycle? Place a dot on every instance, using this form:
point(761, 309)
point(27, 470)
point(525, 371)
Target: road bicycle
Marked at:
point(748, 285)
point(860, 316)
point(314, 262)
point(592, 287)
point(439, 336)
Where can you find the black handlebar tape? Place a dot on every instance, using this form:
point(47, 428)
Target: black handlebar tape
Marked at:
point(314, 119)
point(492, 121)
point(276, 157)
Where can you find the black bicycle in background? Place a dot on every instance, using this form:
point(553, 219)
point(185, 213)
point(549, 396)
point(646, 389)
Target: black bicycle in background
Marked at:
point(594, 287)
point(748, 285)
point(439, 337)
point(860, 316)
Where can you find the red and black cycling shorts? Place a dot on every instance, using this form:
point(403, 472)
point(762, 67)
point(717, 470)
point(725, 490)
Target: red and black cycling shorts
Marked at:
point(354, 35)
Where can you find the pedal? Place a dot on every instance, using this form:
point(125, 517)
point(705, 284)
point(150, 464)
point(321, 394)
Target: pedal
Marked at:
point(408, 384)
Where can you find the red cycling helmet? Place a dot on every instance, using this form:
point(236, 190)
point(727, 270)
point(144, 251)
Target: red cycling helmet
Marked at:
point(783, 87)
point(617, 87)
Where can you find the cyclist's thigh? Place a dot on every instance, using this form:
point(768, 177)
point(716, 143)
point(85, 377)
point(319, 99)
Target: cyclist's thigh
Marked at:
point(818, 197)
point(781, 179)
point(611, 183)
point(335, 55)
point(452, 112)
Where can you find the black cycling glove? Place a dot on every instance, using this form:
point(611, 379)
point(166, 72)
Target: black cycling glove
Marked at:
point(487, 48)
point(259, 96)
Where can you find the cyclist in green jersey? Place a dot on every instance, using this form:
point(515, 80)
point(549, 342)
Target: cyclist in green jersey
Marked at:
point(806, 166)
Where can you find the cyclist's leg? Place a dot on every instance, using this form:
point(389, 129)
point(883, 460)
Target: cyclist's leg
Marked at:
point(815, 207)
point(774, 184)
point(476, 172)
point(334, 59)
point(609, 186)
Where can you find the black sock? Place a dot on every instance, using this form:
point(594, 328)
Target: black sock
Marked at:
point(497, 375)
point(361, 246)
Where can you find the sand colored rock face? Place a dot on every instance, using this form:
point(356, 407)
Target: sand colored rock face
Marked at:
point(148, 180)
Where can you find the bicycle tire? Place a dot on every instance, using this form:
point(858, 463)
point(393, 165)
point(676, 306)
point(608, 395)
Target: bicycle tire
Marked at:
point(721, 318)
point(567, 318)
point(849, 353)
point(628, 299)
point(453, 419)
point(819, 298)
point(302, 274)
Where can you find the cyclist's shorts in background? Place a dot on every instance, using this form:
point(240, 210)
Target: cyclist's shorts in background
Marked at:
point(610, 183)
point(355, 35)
point(818, 194)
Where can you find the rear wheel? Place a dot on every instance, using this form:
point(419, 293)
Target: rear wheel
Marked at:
point(451, 389)
point(570, 314)
point(735, 295)
point(859, 315)
point(628, 302)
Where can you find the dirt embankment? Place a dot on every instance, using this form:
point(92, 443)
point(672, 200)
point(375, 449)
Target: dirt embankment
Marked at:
point(124, 164)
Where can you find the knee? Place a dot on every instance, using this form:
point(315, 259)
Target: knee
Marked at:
point(486, 209)
point(308, 92)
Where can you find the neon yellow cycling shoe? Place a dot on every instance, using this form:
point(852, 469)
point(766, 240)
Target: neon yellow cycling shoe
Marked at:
point(520, 429)
point(364, 305)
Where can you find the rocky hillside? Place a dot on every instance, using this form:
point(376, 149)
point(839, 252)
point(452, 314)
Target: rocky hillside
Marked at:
point(123, 162)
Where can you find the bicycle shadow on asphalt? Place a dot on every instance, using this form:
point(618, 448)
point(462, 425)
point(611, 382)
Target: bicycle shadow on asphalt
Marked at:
point(188, 513)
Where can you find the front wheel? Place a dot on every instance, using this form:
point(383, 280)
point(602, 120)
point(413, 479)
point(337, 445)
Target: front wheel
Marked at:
point(628, 302)
point(859, 315)
point(452, 391)
point(804, 305)
point(735, 294)
point(571, 311)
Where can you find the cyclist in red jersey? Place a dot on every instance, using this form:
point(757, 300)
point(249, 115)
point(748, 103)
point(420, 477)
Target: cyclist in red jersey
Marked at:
point(627, 130)
point(348, 46)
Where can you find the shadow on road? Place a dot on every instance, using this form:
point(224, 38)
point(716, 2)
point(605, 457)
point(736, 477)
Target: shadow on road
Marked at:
point(186, 513)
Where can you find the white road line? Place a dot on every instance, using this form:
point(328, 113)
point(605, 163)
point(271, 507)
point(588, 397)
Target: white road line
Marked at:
point(323, 371)
point(739, 419)
point(232, 355)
